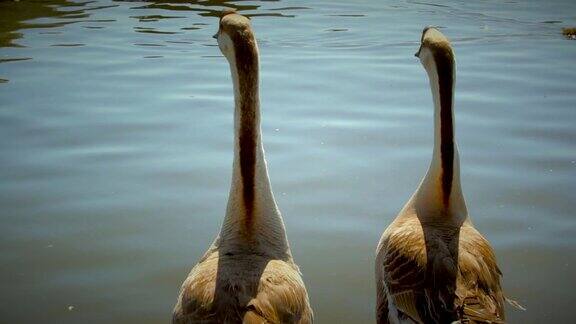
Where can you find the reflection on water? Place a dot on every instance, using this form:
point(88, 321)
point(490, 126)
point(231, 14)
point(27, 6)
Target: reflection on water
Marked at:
point(19, 15)
point(14, 14)
point(212, 8)
point(116, 130)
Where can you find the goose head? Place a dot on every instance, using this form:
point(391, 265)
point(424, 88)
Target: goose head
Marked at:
point(235, 36)
point(434, 47)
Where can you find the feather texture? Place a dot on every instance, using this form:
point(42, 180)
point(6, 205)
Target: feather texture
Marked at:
point(430, 285)
point(243, 289)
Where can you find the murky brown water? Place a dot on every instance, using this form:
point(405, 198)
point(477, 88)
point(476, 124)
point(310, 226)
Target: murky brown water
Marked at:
point(116, 146)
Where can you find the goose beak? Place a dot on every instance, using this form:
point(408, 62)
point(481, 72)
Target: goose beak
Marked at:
point(215, 36)
point(417, 54)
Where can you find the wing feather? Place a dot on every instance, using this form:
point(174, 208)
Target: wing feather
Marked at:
point(282, 296)
point(419, 286)
point(278, 295)
point(403, 275)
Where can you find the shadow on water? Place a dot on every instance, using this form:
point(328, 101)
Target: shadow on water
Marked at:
point(18, 15)
point(209, 8)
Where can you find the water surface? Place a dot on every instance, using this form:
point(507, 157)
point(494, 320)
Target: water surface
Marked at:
point(116, 146)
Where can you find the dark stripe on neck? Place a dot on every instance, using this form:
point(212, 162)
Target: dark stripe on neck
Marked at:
point(445, 68)
point(247, 69)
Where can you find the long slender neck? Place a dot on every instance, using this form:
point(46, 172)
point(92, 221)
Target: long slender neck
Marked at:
point(248, 153)
point(252, 216)
point(440, 192)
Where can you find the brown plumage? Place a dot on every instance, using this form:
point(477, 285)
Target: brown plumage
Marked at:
point(242, 289)
point(432, 265)
point(248, 274)
point(418, 271)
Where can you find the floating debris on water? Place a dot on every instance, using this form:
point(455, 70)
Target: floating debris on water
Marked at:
point(68, 45)
point(569, 33)
point(14, 59)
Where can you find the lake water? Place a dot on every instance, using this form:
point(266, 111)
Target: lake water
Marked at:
point(116, 146)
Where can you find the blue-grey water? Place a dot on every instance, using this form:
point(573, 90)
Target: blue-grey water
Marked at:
point(116, 146)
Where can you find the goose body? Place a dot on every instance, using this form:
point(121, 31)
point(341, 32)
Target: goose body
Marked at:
point(248, 274)
point(432, 265)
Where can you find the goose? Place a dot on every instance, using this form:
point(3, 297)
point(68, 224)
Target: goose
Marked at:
point(432, 265)
point(248, 274)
